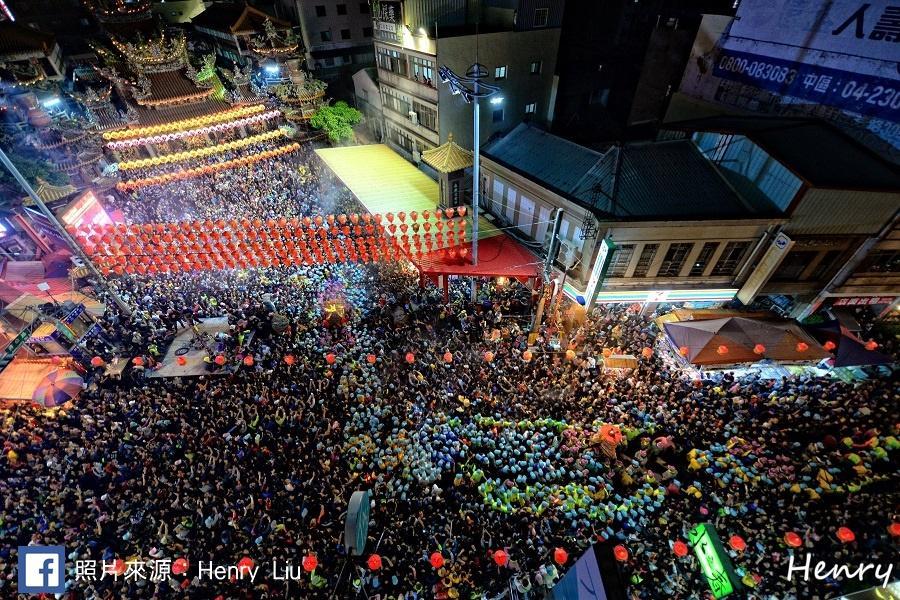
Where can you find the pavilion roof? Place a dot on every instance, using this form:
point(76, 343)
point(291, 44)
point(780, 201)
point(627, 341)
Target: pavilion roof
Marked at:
point(448, 157)
point(16, 39)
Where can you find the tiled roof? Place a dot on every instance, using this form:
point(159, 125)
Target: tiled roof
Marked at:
point(170, 86)
point(448, 157)
point(234, 18)
point(657, 180)
point(16, 38)
point(167, 114)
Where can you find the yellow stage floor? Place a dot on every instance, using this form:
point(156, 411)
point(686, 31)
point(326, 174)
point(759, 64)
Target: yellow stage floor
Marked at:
point(383, 181)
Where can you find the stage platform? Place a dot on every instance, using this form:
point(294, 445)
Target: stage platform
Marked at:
point(383, 181)
point(194, 366)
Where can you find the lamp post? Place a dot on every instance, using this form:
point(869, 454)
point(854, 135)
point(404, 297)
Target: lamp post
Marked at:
point(472, 89)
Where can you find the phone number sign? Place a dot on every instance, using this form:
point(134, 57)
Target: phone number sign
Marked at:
point(862, 94)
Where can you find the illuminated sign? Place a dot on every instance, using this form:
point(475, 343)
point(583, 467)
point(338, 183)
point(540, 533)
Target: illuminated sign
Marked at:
point(714, 561)
point(770, 261)
point(597, 272)
point(85, 209)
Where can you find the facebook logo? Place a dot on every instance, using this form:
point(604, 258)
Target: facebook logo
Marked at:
point(42, 569)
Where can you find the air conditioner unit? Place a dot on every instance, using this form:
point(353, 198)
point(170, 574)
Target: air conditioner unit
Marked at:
point(414, 117)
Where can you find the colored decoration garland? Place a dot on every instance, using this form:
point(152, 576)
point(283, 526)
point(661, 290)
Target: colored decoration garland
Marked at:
point(168, 137)
point(200, 152)
point(192, 123)
point(134, 184)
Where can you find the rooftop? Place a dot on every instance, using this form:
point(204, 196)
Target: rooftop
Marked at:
point(233, 17)
point(657, 180)
point(840, 161)
point(16, 39)
point(448, 157)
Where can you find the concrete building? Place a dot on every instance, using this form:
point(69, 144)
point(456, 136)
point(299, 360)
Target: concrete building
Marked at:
point(28, 56)
point(337, 35)
point(367, 98)
point(517, 43)
point(722, 209)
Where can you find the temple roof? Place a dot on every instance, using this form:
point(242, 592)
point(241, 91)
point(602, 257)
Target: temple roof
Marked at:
point(172, 87)
point(17, 39)
point(235, 18)
point(448, 157)
point(49, 192)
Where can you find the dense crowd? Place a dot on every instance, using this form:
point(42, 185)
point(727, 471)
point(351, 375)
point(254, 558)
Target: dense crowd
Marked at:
point(470, 439)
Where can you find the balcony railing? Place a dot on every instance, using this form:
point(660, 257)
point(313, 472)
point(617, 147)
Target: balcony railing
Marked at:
point(410, 86)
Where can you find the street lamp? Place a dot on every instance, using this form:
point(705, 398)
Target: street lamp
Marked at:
point(472, 89)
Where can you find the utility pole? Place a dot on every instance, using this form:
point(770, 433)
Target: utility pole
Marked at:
point(73, 245)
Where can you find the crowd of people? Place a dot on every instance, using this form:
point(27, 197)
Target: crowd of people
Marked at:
point(470, 439)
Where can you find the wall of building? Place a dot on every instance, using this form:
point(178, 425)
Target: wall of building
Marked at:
point(519, 88)
point(178, 11)
point(824, 212)
point(648, 255)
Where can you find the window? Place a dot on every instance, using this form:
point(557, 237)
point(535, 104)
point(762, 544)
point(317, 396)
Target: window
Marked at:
point(367, 32)
point(536, 67)
point(325, 35)
point(826, 265)
point(699, 266)
point(329, 61)
point(540, 17)
point(393, 61)
point(621, 258)
point(423, 70)
point(674, 260)
point(342, 9)
point(881, 261)
point(427, 115)
point(498, 115)
point(345, 34)
point(794, 264)
point(730, 259)
point(530, 108)
point(320, 11)
point(500, 72)
point(397, 104)
point(363, 8)
point(643, 263)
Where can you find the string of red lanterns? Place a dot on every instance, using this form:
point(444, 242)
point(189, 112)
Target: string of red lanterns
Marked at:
point(206, 245)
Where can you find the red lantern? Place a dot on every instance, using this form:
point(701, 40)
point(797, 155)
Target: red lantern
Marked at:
point(181, 361)
point(97, 362)
point(621, 553)
point(560, 556)
point(680, 549)
point(846, 535)
point(137, 361)
point(722, 350)
point(792, 539)
point(310, 563)
point(248, 360)
point(289, 359)
point(802, 346)
point(871, 345)
point(371, 358)
point(894, 529)
point(410, 357)
point(220, 360)
point(448, 357)
point(245, 565)
point(684, 351)
point(374, 562)
point(647, 353)
point(488, 356)
point(527, 356)
point(500, 556)
point(330, 358)
point(737, 543)
point(570, 355)
point(759, 349)
point(829, 345)
point(436, 560)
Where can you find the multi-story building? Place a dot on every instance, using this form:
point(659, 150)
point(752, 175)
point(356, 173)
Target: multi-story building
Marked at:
point(337, 35)
point(515, 41)
point(721, 209)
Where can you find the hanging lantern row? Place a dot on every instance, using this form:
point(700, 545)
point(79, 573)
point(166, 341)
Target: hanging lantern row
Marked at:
point(185, 237)
point(134, 184)
point(374, 251)
point(177, 135)
point(185, 124)
point(441, 220)
point(165, 159)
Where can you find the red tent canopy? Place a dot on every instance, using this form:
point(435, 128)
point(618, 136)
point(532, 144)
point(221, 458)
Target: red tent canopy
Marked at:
point(498, 256)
